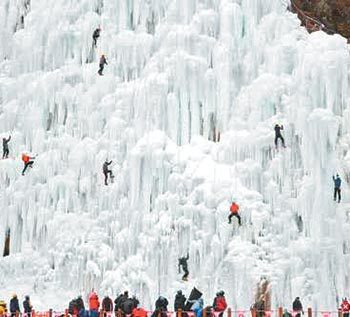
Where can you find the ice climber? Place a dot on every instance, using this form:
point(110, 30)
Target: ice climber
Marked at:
point(27, 160)
point(5, 147)
point(14, 306)
point(345, 307)
point(183, 264)
point(107, 171)
point(94, 304)
point(234, 213)
point(179, 302)
point(96, 35)
point(107, 304)
point(337, 190)
point(103, 62)
point(297, 307)
point(219, 304)
point(278, 135)
point(27, 306)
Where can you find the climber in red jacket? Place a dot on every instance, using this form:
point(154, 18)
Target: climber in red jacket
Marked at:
point(234, 213)
point(28, 161)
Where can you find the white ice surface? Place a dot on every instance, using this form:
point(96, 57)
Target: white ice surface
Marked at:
point(176, 69)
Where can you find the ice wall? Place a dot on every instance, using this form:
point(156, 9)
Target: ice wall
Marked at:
point(180, 73)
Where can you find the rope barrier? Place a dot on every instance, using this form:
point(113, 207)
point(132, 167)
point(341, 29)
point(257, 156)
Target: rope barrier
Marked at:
point(230, 312)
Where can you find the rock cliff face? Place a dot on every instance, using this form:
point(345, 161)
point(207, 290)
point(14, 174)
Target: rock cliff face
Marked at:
point(335, 14)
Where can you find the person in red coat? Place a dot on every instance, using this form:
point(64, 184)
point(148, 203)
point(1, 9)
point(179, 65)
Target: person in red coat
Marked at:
point(94, 304)
point(234, 213)
point(220, 304)
point(345, 307)
point(139, 312)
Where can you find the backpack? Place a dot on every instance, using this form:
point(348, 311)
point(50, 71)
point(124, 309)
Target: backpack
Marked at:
point(127, 306)
point(220, 304)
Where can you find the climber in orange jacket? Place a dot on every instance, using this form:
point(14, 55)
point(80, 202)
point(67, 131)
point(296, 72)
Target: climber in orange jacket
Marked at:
point(27, 160)
point(234, 212)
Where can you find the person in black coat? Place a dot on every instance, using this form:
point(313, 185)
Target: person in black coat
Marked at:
point(180, 301)
point(298, 307)
point(184, 265)
point(103, 62)
point(14, 305)
point(107, 304)
point(107, 171)
point(120, 300)
point(27, 306)
point(135, 301)
point(95, 36)
point(79, 302)
point(278, 135)
point(5, 147)
point(161, 307)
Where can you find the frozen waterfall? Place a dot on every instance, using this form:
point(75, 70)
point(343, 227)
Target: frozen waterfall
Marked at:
point(181, 75)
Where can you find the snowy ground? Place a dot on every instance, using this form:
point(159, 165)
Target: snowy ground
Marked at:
point(177, 69)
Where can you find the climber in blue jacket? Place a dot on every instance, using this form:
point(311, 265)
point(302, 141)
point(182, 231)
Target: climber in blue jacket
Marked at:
point(337, 190)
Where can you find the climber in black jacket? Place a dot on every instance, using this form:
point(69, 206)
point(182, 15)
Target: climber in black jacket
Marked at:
point(107, 171)
point(278, 135)
point(184, 265)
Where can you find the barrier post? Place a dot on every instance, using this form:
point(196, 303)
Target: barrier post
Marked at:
point(159, 313)
point(50, 312)
point(253, 312)
point(66, 312)
point(340, 313)
point(179, 312)
point(31, 314)
point(204, 312)
point(280, 311)
point(119, 313)
point(309, 312)
point(229, 312)
point(17, 313)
